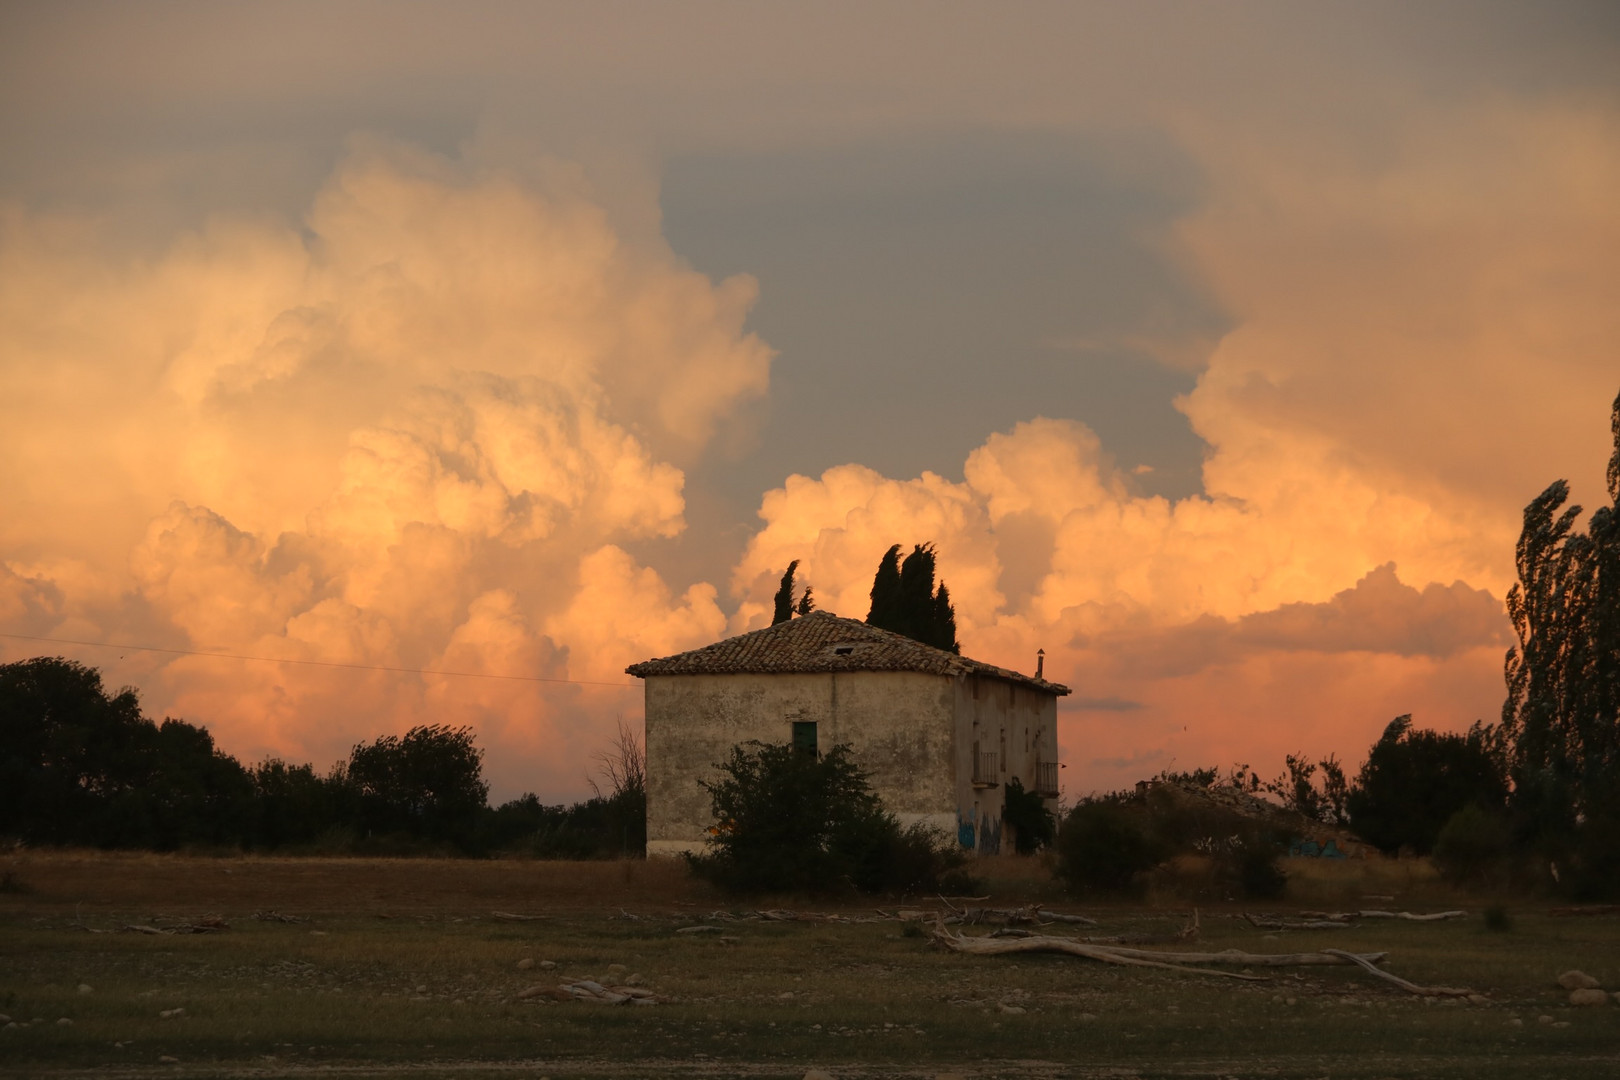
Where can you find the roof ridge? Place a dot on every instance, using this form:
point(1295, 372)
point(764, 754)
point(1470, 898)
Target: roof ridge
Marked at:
point(824, 641)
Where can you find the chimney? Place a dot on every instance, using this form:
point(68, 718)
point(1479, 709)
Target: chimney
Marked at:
point(1040, 663)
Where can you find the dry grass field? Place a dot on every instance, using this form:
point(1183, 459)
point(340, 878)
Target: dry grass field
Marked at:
point(402, 969)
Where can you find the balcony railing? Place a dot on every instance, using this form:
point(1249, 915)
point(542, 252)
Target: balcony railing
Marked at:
point(1046, 779)
point(986, 768)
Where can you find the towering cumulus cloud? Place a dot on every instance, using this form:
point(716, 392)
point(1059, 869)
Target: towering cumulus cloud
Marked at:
point(413, 433)
point(1413, 333)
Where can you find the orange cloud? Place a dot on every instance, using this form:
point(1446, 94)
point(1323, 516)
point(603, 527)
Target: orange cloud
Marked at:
point(410, 434)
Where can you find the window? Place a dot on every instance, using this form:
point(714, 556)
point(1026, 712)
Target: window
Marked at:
point(804, 736)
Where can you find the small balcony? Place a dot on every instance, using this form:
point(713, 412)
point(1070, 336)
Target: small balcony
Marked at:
point(986, 768)
point(1046, 779)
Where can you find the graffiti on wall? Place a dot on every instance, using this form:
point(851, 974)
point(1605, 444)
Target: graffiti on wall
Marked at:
point(976, 832)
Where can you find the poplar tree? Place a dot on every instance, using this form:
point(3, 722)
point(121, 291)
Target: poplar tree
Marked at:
point(1561, 718)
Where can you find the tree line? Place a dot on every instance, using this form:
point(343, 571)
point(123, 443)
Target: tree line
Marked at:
point(1533, 800)
point(80, 765)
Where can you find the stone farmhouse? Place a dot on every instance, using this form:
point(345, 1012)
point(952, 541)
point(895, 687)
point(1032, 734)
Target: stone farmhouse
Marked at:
point(938, 735)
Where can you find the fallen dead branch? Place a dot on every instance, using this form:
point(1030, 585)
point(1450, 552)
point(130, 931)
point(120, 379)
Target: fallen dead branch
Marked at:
point(1266, 922)
point(1193, 962)
point(592, 992)
point(1396, 980)
point(276, 916)
point(1056, 916)
point(507, 916)
point(1438, 916)
point(984, 946)
point(210, 925)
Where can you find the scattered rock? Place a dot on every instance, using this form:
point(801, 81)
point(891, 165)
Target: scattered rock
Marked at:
point(525, 964)
point(170, 1014)
point(1011, 1010)
point(64, 1022)
point(614, 969)
point(421, 989)
point(547, 965)
point(786, 995)
point(86, 988)
point(1588, 996)
point(1515, 1022)
point(1478, 999)
point(1086, 1017)
point(1577, 980)
point(169, 1059)
point(1560, 1023)
point(1544, 1019)
point(634, 980)
point(817, 1074)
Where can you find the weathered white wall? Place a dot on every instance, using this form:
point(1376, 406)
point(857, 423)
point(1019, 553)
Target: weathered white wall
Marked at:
point(900, 725)
point(1016, 723)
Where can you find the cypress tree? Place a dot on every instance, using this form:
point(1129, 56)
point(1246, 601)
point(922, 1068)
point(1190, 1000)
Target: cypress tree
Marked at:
point(917, 593)
point(886, 609)
point(904, 599)
point(784, 596)
point(943, 625)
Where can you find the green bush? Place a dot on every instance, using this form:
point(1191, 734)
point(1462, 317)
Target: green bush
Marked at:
point(791, 821)
point(1474, 846)
point(1103, 847)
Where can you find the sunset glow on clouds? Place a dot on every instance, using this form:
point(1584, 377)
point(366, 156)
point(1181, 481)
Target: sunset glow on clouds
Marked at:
point(447, 414)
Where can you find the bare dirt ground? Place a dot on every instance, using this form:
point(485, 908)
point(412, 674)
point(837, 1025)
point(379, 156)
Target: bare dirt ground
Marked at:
point(399, 968)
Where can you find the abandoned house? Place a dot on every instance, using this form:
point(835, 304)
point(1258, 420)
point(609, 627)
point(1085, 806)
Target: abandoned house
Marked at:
point(938, 735)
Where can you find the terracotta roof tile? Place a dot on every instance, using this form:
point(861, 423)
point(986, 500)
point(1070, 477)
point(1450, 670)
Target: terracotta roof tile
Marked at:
point(821, 641)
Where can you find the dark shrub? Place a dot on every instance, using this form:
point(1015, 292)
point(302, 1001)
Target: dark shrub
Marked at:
point(1474, 847)
point(1415, 780)
point(1104, 847)
point(1259, 876)
point(1032, 823)
point(791, 821)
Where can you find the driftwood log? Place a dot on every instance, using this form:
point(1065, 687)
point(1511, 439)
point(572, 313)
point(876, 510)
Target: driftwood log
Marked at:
point(1396, 980)
point(507, 916)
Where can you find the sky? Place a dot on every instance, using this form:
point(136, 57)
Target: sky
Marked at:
point(1217, 348)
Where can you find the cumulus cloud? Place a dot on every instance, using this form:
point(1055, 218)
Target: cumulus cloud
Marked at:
point(410, 432)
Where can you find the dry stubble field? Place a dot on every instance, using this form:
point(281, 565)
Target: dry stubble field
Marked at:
point(402, 970)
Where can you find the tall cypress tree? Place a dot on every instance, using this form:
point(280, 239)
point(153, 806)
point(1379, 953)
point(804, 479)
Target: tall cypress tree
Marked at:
point(904, 599)
point(784, 595)
point(943, 623)
point(886, 610)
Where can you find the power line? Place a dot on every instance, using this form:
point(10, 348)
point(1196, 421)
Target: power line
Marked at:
point(310, 663)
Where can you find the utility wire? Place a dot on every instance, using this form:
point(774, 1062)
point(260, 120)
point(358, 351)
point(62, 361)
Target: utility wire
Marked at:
point(310, 663)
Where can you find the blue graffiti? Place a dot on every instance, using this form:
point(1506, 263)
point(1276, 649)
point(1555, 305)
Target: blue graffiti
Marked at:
point(975, 832)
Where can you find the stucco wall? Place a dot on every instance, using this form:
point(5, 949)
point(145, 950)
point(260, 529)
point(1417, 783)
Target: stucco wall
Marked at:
point(1018, 724)
point(900, 727)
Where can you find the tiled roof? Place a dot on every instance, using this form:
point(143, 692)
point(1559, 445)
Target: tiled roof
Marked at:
point(823, 642)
